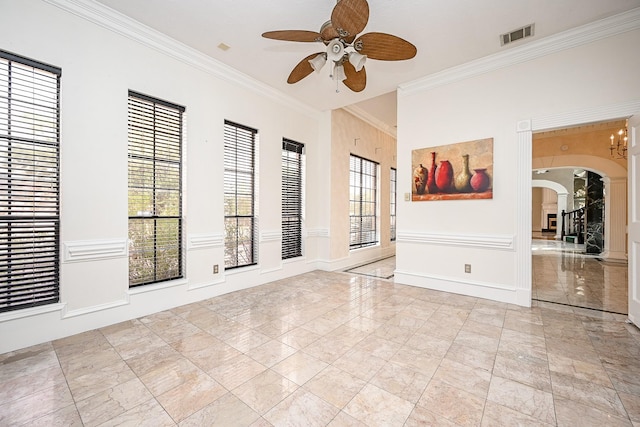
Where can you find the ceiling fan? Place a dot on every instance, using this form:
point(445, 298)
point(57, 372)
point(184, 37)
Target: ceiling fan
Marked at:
point(347, 53)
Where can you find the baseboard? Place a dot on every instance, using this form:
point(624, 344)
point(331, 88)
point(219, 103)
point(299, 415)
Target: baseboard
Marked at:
point(491, 291)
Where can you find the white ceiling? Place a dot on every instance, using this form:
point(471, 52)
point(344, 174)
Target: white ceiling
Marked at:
point(446, 33)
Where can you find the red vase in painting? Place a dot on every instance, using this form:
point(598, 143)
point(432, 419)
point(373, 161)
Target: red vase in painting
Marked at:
point(432, 188)
point(480, 180)
point(444, 176)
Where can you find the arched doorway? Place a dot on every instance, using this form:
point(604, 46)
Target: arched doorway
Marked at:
point(614, 179)
point(561, 204)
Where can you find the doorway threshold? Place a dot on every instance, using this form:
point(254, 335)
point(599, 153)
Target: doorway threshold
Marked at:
point(601, 310)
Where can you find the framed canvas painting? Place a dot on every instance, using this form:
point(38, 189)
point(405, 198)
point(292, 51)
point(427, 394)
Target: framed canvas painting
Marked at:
point(460, 171)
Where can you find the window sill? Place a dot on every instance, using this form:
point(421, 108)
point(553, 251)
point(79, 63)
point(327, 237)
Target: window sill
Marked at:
point(238, 270)
point(156, 286)
point(377, 245)
point(28, 312)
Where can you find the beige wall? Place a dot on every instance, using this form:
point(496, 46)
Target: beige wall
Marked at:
point(351, 135)
point(536, 208)
point(591, 140)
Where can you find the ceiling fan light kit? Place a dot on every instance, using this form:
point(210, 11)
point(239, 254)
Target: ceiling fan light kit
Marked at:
point(338, 73)
point(357, 60)
point(318, 61)
point(348, 54)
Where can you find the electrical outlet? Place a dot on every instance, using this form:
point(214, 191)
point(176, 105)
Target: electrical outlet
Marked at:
point(467, 268)
point(215, 268)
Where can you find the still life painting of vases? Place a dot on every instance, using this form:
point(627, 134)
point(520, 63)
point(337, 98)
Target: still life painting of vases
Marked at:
point(456, 171)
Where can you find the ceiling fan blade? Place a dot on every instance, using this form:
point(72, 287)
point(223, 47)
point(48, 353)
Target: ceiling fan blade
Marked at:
point(328, 32)
point(356, 80)
point(302, 70)
point(293, 35)
point(350, 17)
point(385, 47)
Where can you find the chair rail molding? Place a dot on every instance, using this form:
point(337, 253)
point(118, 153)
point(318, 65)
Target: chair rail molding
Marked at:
point(318, 232)
point(498, 242)
point(93, 250)
point(270, 236)
point(205, 241)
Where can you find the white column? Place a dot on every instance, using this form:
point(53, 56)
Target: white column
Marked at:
point(523, 213)
point(615, 218)
point(562, 206)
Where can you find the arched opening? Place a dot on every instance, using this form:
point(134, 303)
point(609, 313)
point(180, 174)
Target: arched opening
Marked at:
point(546, 213)
point(614, 200)
point(563, 272)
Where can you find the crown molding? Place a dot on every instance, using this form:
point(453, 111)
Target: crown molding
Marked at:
point(373, 121)
point(112, 20)
point(585, 34)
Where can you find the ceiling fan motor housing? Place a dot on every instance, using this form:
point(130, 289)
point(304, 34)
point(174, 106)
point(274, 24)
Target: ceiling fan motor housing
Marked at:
point(335, 50)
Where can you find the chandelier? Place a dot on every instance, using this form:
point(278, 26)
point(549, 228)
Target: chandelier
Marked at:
point(618, 148)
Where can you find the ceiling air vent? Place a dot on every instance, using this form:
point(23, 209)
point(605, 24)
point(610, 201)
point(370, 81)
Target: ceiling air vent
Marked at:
point(520, 33)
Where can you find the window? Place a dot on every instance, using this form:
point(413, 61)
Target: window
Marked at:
point(155, 190)
point(363, 195)
point(29, 183)
point(392, 200)
point(239, 195)
point(292, 156)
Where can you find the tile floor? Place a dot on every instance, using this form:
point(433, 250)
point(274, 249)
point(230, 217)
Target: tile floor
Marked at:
point(334, 349)
point(564, 275)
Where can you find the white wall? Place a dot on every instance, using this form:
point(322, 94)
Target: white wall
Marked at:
point(493, 98)
point(99, 66)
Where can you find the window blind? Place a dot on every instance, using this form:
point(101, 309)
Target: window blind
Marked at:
point(292, 156)
point(155, 190)
point(29, 182)
point(362, 202)
point(239, 195)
